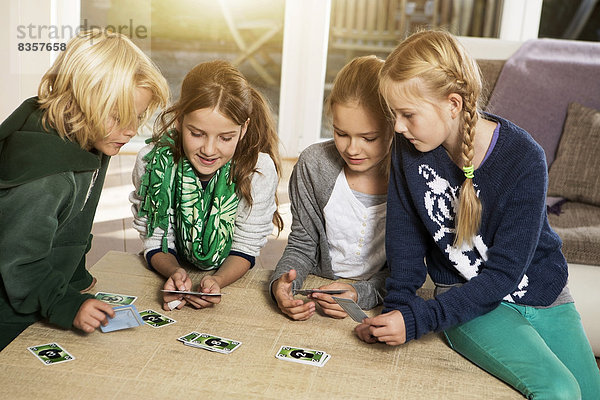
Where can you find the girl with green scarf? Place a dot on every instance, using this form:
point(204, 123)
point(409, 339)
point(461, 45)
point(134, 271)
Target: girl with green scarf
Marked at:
point(206, 184)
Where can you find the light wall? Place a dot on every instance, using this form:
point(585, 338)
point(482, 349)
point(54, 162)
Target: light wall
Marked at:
point(23, 22)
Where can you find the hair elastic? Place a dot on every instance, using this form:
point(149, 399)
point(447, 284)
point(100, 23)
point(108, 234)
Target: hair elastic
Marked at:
point(469, 171)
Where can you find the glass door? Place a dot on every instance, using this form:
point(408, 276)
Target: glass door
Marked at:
point(179, 34)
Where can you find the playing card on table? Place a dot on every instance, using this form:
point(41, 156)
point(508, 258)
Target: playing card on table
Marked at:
point(51, 353)
point(156, 320)
point(189, 337)
point(214, 343)
point(114, 298)
point(353, 310)
point(306, 292)
point(302, 355)
point(125, 317)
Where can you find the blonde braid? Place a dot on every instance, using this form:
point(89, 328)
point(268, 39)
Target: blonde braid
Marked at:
point(468, 217)
point(443, 67)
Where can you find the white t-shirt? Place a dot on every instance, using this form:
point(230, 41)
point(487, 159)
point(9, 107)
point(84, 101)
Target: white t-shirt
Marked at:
point(355, 233)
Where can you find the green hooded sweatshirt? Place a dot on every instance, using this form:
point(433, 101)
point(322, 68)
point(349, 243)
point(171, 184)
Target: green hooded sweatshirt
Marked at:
point(48, 198)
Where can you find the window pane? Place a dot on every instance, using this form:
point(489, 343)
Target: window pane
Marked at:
point(179, 34)
point(361, 27)
point(575, 20)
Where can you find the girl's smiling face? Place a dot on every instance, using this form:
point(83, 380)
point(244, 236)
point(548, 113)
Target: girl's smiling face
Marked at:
point(359, 138)
point(209, 140)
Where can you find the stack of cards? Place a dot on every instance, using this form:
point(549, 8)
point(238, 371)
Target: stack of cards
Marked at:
point(306, 292)
point(156, 320)
point(191, 292)
point(303, 356)
point(51, 353)
point(210, 342)
point(125, 317)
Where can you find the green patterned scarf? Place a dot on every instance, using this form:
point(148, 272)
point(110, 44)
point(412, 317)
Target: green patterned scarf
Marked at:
point(204, 218)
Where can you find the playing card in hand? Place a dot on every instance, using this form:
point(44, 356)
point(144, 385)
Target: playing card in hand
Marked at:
point(125, 317)
point(350, 306)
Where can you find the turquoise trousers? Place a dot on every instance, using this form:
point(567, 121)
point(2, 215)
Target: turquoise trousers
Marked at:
point(541, 352)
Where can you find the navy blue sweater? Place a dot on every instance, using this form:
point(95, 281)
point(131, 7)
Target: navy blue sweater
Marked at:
point(515, 257)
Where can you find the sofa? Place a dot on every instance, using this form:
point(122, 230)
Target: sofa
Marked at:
point(550, 88)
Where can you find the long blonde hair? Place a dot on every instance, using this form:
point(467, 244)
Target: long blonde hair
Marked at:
point(443, 66)
point(219, 85)
point(358, 82)
point(94, 79)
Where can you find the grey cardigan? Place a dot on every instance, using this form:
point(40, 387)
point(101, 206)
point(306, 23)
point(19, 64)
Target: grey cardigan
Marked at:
point(307, 251)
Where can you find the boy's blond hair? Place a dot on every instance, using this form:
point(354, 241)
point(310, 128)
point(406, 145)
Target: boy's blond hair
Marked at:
point(94, 80)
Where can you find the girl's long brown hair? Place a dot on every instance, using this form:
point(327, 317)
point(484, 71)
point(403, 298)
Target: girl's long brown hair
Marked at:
point(219, 85)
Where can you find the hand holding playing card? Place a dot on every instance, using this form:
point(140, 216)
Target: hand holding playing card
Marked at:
point(92, 314)
point(388, 328)
point(208, 284)
point(329, 306)
point(178, 281)
point(363, 332)
point(293, 308)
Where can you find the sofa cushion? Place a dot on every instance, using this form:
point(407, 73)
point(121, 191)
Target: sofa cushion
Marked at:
point(490, 71)
point(578, 226)
point(538, 82)
point(574, 173)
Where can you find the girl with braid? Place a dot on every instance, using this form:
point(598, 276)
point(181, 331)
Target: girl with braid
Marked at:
point(205, 187)
point(466, 204)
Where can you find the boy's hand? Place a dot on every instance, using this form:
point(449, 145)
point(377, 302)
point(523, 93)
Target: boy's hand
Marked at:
point(388, 328)
point(296, 309)
point(92, 314)
point(329, 305)
point(208, 284)
point(178, 281)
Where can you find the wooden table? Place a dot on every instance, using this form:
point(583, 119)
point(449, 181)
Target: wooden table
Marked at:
point(149, 363)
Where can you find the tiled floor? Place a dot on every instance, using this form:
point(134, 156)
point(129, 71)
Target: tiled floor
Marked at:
point(112, 225)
